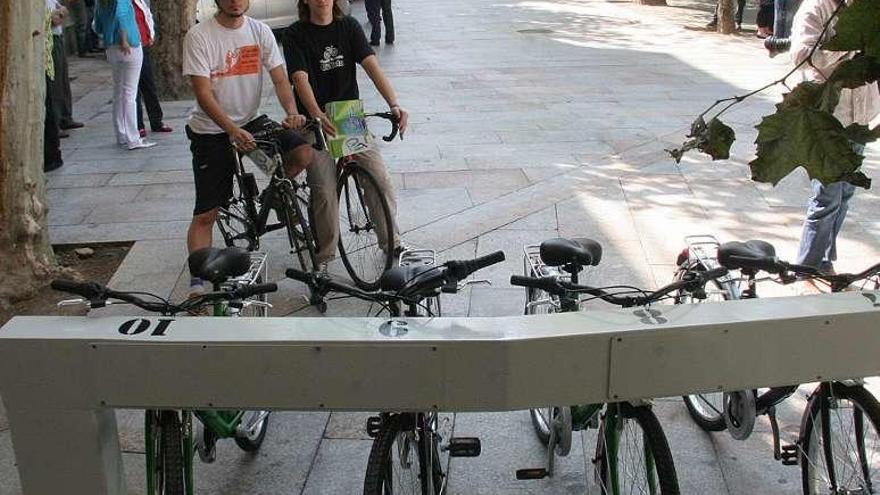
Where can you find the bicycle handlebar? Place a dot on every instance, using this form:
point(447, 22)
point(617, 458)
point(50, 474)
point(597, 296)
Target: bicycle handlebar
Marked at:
point(395, 124)
point(553, 285)
point(97, 296)
point(445, 277)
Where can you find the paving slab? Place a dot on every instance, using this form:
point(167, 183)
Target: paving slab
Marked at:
point(339, 467)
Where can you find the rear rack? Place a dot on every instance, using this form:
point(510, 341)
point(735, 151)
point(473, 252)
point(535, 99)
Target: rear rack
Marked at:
point(257, 273)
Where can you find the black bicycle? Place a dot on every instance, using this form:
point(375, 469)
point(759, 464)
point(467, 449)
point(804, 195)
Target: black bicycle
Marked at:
point(405, 456)
point(838, 445)
point(246, 216)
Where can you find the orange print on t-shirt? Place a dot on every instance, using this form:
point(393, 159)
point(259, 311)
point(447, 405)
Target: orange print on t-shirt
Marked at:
point(243, 61)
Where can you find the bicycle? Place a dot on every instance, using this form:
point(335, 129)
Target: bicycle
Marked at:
point(836, 459)
point(245, 217)
point(170, 441)
point(632, 454)
point(405, 455)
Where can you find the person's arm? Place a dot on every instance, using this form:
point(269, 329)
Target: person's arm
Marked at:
point(241, 138)
point(383, 85)
point(307, 97)
point(123, 36)
point(284, 92)
point(807, 27)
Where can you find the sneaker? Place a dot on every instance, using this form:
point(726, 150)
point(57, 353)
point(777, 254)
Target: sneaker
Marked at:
point(374, 42)
point(142, 144)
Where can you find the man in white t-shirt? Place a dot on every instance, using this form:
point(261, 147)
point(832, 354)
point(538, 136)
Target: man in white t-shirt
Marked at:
point(224, 58)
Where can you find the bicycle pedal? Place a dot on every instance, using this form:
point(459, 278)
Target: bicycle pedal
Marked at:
point(374, 424)
point(532, 474)
point(464, 447)
point(789, 454)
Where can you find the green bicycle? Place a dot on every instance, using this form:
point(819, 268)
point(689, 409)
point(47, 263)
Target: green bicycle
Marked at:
point(171, 441)
point(632, 454)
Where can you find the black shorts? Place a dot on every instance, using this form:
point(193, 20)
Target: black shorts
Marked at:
point(214, 162)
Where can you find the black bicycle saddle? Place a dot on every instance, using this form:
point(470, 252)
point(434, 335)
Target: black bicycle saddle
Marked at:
point(749, 256)
point(578, 251)
point(396, 278)
point(217, 265)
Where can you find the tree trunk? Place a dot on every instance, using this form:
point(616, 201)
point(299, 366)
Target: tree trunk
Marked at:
point(173, 20)
point(725, 16)
point(26, 257)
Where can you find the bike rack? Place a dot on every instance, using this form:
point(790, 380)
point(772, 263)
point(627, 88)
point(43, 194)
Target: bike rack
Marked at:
point(81, 368)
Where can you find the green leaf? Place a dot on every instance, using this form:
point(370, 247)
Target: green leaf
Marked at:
point(810, 94)
point(718, 139)
point(857, 29)
point(809, 138)
point(856, 72)
point(862, 134)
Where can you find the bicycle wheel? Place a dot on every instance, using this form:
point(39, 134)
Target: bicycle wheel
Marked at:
point(840, 445)
point(632, 455)
point(399, 458)
point(547, 419)
point(706, 409)
point(299, 234)
point(165, 459)
point(361, 231)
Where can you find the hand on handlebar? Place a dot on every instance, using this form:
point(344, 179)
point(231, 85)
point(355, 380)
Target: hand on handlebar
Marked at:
point(402, 117)
point(242, 140)
point(294, 121)
point(329, 128)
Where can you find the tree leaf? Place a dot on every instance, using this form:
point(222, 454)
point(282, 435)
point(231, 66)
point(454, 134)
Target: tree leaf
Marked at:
point(862, 134)
point(809, 138)
point(857, 29)
point(856, 72)
point(718, 139)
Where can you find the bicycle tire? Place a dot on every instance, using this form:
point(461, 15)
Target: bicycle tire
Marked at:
point(153, 455)
point(171, 448)
point(865, 410)
point(706, 409)
point(645, 420)
point(381, 478)
point(358, 243)
point(299, 233)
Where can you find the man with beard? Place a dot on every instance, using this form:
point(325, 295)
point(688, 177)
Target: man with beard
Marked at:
point(224, 58)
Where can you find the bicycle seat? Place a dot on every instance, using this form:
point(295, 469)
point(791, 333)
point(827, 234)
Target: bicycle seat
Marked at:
point(578, 251)
point(394, 279)
point(218, 265)
point(750, 256)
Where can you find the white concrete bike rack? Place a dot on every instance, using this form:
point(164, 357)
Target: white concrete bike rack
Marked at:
point(60, 378)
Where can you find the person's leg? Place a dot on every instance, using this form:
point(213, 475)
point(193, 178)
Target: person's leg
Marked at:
point(847, 191)
point(372, 161)
point(740, 7)
point(213, 163)
point(325, 205)
point(375, 18)
point(130, 76)
point(62, 75)
point(147, 89)
point(817, 236)
point(388, 17)
point(79, 12)
point(117, 65)
point(138, 105)
point(56, 88)
point(51, 141)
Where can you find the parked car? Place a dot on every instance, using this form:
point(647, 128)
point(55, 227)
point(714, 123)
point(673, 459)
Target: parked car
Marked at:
point(276, 13)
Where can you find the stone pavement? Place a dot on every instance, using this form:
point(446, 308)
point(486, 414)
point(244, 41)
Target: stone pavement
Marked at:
point(531, 119)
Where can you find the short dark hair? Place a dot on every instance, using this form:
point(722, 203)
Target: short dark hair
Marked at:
point(305, 13)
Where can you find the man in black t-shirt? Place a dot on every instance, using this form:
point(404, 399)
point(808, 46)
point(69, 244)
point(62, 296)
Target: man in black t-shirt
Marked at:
point(322, 51)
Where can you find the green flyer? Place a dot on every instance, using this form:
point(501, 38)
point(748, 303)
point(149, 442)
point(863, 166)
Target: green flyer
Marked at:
point(352, 135)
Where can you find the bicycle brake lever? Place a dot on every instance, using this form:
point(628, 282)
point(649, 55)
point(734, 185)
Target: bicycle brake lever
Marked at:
point(74, 302)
